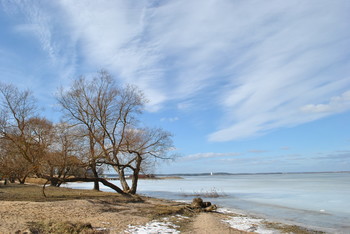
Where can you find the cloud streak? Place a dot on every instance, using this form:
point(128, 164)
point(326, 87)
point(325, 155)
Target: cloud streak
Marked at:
point(170, 119)
point(208, 155)
point(336, 104)
point(296, 59)
point(261, 65)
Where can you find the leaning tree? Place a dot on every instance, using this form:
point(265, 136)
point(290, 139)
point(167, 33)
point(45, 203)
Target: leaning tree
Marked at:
point(109, 113)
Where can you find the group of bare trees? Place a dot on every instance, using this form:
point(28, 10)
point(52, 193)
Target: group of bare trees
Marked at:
point(99, 130)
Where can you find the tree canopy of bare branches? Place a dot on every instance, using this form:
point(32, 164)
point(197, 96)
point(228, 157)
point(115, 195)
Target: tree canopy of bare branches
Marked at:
point(100, 130)
point(109, 114)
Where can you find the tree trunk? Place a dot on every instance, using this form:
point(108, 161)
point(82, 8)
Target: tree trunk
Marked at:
point(135, 176)
point(93, 164)
point(96, 186)
point(23, 180)
point(83, 179)
point(94, 171)
point(122, 180)
point(52, 182)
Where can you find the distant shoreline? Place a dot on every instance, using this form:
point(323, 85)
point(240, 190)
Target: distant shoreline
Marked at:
point(150, 178)
point(180, 175)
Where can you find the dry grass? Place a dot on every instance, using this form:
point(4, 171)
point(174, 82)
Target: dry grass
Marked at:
point(285, 228)
point(97, 209)
point(18, 192)
point(62, 227)
point(149, 207)
point(40, 181)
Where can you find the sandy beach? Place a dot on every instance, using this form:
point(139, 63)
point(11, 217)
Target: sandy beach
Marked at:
point(98, 212)
point(25, 209)
point(103, 216)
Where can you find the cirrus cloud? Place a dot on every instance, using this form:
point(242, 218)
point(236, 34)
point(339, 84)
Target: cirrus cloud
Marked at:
point(209, 155)
point(261, 65)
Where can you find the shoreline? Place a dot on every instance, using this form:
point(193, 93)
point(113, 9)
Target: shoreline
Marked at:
point(149, 178)
point(24, 209)
point(114, 213)
point(244, 220)
point(268, 217)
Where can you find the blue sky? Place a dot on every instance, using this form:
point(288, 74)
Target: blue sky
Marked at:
point(244, 86)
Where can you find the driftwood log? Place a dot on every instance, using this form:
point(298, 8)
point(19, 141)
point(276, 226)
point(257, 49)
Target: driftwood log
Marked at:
point(198, 203)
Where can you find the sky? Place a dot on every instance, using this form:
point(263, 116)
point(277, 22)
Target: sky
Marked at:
point(245, 86)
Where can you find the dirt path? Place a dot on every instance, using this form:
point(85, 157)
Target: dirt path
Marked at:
point(209, 223)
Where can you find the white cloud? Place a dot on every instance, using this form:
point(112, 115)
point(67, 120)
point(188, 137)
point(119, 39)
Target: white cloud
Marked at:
point(170, 119)
point(208, 155)
point(257, 151)
point(42, 22)
point(285, 148)
point(37, 23)
point(296, 57)
point(111, 35)
point(335, 105)
point(267, 62)
point(184, 105)
point(342, 156)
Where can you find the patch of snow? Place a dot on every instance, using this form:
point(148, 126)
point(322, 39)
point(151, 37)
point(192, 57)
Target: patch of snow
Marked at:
point(181, 217)
point(153, 227)
point(183, 201)
point(224, 211)
point(231, 211)
point(249, 224)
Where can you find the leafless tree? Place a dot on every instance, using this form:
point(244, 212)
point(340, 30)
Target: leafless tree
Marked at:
point(105, 111)
point(142, 147)
point(64, 157)
point(100, 130)
point(26, 140)
point(17, 107)
point(12, 164)
point(16, 115)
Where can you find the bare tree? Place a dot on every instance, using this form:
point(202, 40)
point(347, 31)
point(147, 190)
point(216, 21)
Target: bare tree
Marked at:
point(92, 155)
point(17, 110)
point(28, 138)
point(105, 111)
point(109, 115)
point(106, 116)
point(142, 147)
point(64, 157)
point(12, 164)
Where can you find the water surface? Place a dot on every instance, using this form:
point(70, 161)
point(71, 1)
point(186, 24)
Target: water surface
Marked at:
point(313, 200)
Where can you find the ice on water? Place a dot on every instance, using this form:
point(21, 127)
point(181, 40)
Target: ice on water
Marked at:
point(314, 200)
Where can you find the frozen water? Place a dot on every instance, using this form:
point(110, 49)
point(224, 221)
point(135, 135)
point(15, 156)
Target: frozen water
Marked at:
point(314, 200)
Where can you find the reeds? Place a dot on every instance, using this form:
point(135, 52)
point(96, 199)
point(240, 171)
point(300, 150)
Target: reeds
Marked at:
point(212, 193)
